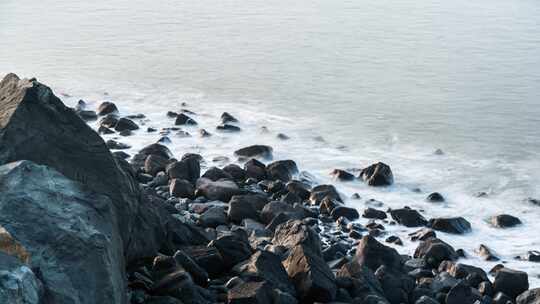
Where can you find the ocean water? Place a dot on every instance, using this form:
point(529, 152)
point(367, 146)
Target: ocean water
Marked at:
point(351, 83)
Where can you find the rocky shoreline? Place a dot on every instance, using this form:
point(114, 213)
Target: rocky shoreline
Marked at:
point(82, 224)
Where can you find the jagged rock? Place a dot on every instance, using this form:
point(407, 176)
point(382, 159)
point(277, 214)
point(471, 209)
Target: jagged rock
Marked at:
point(373, 254)
point(299, 189)
point(124, 124)
point(65, 231)
point(319, 192)
point(246, 207)
point(18, 284)
point(529, 297)
point(486, 253)
point(360, 281)
point(237, 173)
point(255, 169)
point(435, 197)
point(511, 282)
point(255, 151)
point(189, 168)
point(311, 276)
point(378, 174)
point(228, 128)
point(371, 213)
point(408, 217)
point(266, 266)
point(179, 285)
point(107, 108)
point(226, 117)
point(154, 149)
point(208, 257)
point(200, 276)
point(250, 293)
point(221, 190)
point(349, 213)
point(282, 170)
point(295, 232)
point(461, 294)
point(108, 121)
point(422, 234)
point(183, 119)
point(213, 217)
point(328, 204)
point(233, 248)
point(181, 188)
point(215, 173)
point(434, 251)
point(504, 221)
point(154, 164)
point(342, 175)
point(455, 225)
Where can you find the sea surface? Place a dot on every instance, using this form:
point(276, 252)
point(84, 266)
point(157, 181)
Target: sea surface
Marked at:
point(350, 82)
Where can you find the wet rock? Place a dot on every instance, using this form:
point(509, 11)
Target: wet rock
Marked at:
point(109, 121)
point(207, 257)
point(226, 117)
point(461, 294)
point(221, 190)
point(435, 197)
point(511, 282)
point(378, 174)
point(408, 217)
point(529, 297)
point(255, 169)
point(154, 164)
point(188, 168)
point(533, 256)
point(311, 276)
point(213, 217)
point(462, 271)
point(115, 145)
point(87, 115)
point(255, 151)
point(342, 175)
point(250, 293)
point(360, 282)
point(299, 189)
point(246, 207)
point(107, 108)
point(183, 119)
point(394, 240)
point(104, 130)
point(153, 149)
point(295, 232)
point(200, 276)
point(178, 284)
point(486, 253)
point(328, 204)
point(272, 209)
point(228, 128)
point(373, 254)
point(204, 133)
point(426, 300)
point(124, 124)
point(372, 213)
point(181, 188)
point(319, 192)
point(349, 213)
point(434, 251)
point(501, 298)
point(282, 170)
point(233, 248)
point(422, 234)
point(455, 225)
point(215, 173)
point(282, 136)
point(235, 171)
point(266, 266)
point(504, 221)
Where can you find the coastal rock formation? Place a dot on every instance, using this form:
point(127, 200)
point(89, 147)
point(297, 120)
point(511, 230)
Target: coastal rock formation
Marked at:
point(378, 174)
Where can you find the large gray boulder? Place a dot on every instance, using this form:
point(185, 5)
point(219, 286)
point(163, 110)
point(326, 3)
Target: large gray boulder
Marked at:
point(18, 284)
point(35, 125)
point(66, 231)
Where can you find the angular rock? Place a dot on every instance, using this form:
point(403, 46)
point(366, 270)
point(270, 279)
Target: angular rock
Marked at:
point(107, 108)
point(372, 213)
point(408, 217)
point(378, 174)
point(295, 232)
point(221, 190)
point(373, 254)
point(226, 117)
point(181, 188)
point(233, 248)
point(422, 234)
point(237, 173)
point(124, 124)
point(282, 170)
point(200, 276)
point(208, 257)
point(434, 251)
point(18, 284)
point(311, 276)
point(115, 145)
point(342, 175)
point(349, 213)
point(213, 217)
point(153, 149)
point(529, 297)
point(250, 293)
point(319, 192)
point(266, 266)
point(504, 221)
point(214, 174)
point(183, 119)
point(255, 169)
point(246, 206)
point(255, 151)
point(299, 189)
point(461, 294)
point(188, 168)
point(455, 225)
point(511, 282)
point(154, 164)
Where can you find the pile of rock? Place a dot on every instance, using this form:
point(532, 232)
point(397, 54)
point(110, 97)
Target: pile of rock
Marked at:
point(81, 225)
